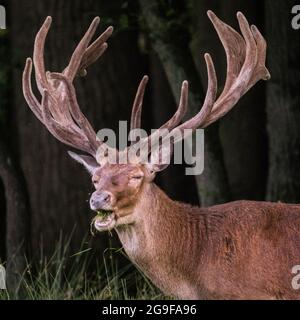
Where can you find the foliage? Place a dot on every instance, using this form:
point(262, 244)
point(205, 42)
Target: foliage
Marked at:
point(67, 276)
point(173, 22)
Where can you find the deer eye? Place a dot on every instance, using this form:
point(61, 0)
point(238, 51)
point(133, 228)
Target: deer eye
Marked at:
point(137, 177)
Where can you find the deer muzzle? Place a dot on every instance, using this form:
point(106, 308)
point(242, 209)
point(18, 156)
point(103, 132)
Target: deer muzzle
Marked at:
point(101, 200)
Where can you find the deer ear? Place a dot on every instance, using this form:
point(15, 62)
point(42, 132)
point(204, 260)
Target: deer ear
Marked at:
point(87, 161)
point(160, 157)
point(153, 168)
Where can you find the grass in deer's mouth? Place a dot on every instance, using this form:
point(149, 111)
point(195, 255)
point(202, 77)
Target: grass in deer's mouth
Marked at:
point(103, 213)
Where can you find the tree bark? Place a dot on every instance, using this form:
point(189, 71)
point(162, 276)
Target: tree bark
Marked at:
point(170, 38)
point(14, 199)
point(17, 219)
point(163, 107)
point(283, 100)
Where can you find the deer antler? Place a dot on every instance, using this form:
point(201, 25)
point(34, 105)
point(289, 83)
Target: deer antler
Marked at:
point(246, 56)
point(59, 110)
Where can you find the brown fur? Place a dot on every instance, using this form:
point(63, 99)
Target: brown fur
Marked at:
point(238, 250)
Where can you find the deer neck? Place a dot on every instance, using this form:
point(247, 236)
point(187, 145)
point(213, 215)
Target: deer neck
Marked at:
point(160, 238)
point(150, 215)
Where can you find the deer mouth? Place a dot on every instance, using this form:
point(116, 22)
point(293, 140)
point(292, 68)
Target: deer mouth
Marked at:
point(105, 220)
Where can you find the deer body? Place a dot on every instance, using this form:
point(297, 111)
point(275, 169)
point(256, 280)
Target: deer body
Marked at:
point(238, 250)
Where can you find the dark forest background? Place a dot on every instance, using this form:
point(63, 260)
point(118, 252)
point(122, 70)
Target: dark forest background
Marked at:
point(253, 153)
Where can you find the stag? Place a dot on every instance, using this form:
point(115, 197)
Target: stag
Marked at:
point(237, 250)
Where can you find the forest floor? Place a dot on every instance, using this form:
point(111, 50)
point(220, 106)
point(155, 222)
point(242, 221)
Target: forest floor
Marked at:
point(80, 277)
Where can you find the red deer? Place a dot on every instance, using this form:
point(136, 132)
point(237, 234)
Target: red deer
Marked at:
point(237, 250)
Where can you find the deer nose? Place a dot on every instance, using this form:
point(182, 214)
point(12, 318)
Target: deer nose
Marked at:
point(100, 200)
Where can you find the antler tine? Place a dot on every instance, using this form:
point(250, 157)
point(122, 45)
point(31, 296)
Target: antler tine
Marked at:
point(234, 46)
point(136, 112)
point(58, 131)
point(204, 112)
point(210, 98)
point(38, 55)
point(251, 50)
point(75, 61)
point(83, 124)
point(174, 121)
point(138, 102)
point(28, 93)
point(181, 110)
point(95, 51)
point(261, 72)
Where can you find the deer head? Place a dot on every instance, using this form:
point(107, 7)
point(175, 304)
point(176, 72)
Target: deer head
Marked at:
point(119, 187)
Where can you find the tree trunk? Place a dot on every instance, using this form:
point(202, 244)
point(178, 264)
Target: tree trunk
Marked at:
point(283, 100)
point(58, 187)
point(17, 219)
point(162, 108)
point(14, 222)
point(169, 37)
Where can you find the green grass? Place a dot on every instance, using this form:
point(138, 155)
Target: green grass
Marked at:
point(66, 276)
